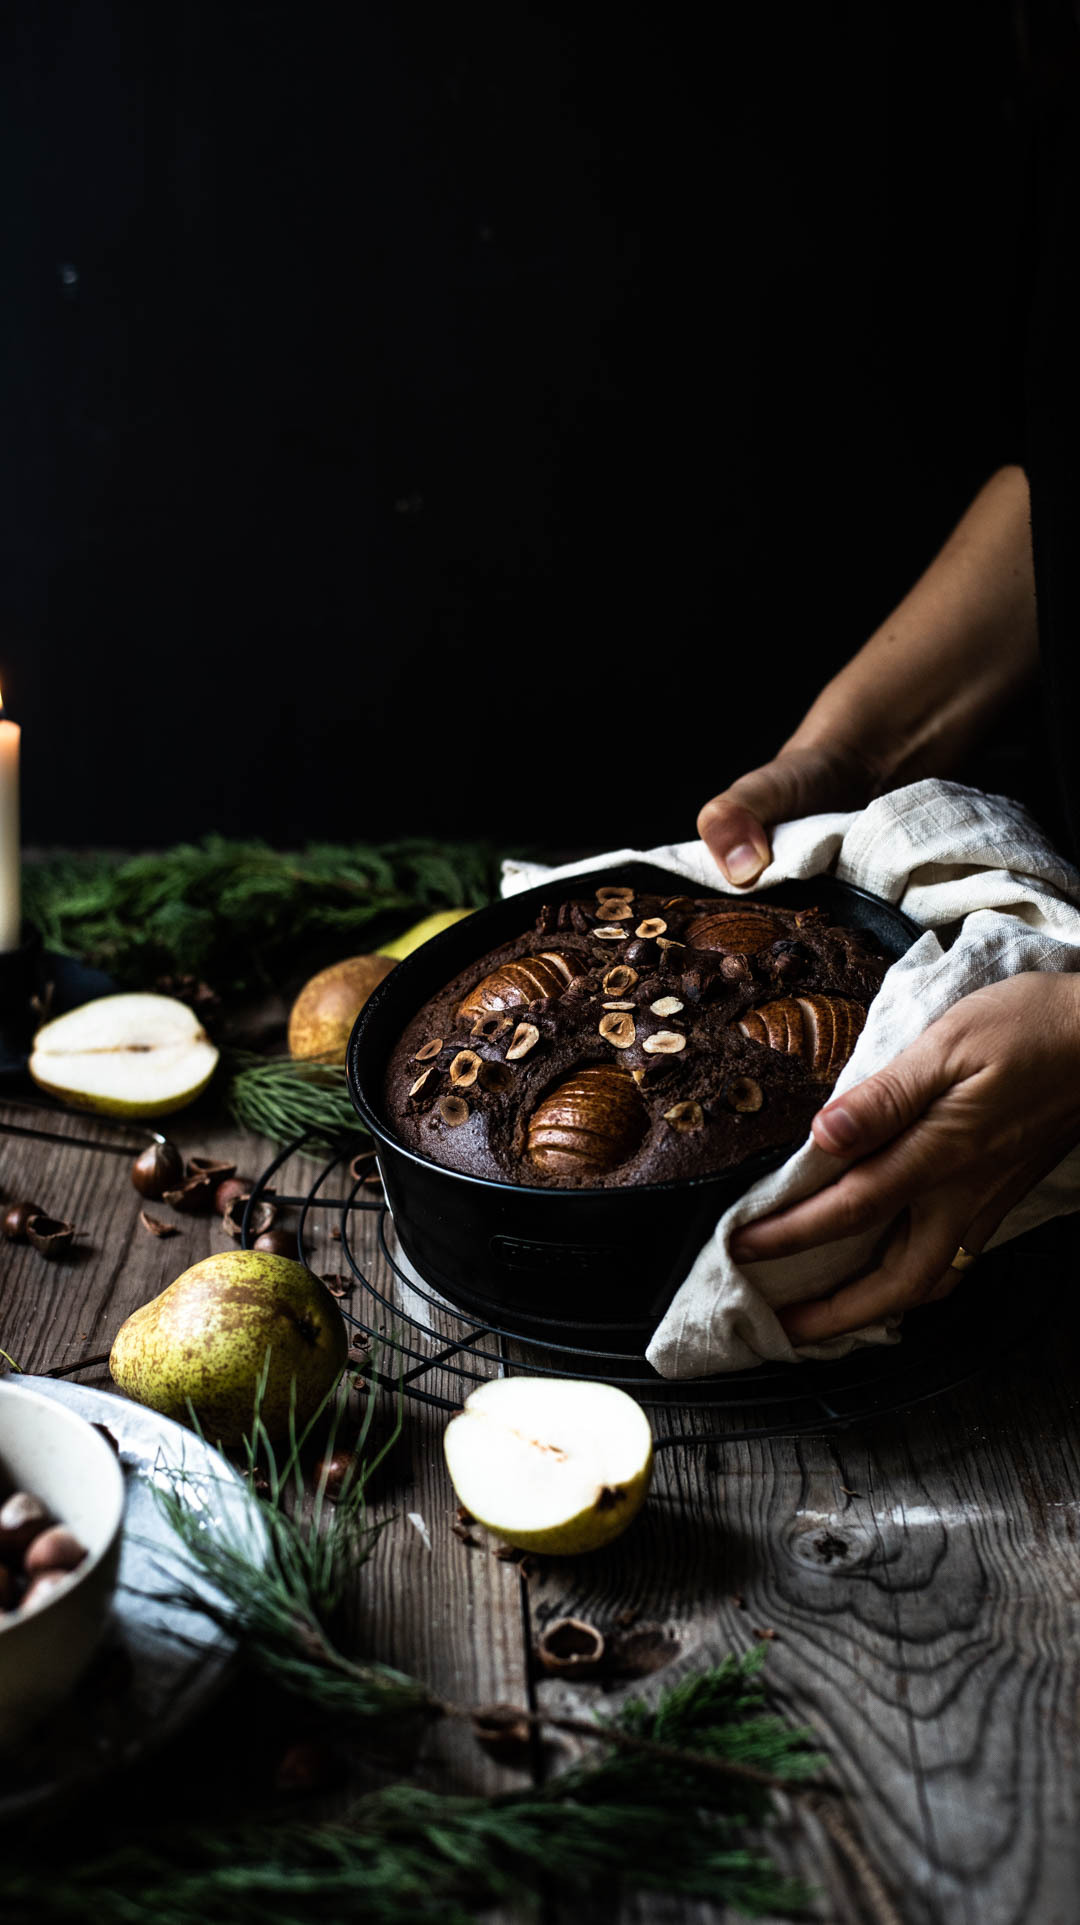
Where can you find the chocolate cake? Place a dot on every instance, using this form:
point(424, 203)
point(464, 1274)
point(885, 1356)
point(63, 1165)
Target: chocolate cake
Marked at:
point(633, 1039)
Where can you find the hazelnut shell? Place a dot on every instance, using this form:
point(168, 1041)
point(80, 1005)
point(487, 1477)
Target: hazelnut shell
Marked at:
point(569, 1647)
point(335, 1472)
point(227, 1189)
point(50, 1234)
point(158, 1168)
point(278, 1243)
point(16, 1217)
point(262, 1219)
point(193, 1197)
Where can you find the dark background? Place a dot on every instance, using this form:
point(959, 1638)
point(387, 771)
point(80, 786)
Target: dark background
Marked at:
point(494, 420)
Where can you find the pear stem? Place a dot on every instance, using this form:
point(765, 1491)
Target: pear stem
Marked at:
point(84, 1363)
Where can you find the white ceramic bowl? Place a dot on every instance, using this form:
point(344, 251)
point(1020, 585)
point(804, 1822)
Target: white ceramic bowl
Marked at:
point(48, 1450)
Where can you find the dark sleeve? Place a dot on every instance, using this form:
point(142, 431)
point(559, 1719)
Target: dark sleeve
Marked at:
point(1052, 406)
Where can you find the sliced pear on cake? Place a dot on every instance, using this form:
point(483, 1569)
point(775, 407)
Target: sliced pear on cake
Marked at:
point(549, 1464)
point(131, 1055)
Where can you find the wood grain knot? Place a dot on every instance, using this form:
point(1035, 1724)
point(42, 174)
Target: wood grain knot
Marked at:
point(834, 1549)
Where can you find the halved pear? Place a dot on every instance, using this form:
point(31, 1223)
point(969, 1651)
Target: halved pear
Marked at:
point(132, 1055)
point(549, 1464)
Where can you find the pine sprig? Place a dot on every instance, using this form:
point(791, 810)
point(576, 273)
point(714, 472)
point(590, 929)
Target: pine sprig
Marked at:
point(281, 1612)
point(408, 1855)
point(276, 1097)
point(663, 1804)
point(241, 915)
point(724, 1712)
point(280, 1572)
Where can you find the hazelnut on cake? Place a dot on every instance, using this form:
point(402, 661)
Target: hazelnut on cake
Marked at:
point(633, 1038)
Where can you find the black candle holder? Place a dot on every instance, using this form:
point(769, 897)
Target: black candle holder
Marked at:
point(22, 999)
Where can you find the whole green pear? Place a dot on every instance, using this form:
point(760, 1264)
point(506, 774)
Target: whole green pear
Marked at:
point(203, 1345)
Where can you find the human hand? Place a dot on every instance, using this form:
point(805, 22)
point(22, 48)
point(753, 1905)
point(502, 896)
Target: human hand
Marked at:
point(948, 1137)
point(796, 782)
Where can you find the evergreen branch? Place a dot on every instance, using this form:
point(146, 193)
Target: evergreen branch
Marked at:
point(405, 1855)
point(283, 1100)
point(663, 1806)
point(279, 1607)
point(715, 1726)
point(241, 915)
point(690, 1762)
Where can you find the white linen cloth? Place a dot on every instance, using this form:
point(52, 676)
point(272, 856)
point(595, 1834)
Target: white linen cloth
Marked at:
point(994, 898)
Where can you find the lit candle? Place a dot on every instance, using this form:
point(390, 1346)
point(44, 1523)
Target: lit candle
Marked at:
point(10, 871)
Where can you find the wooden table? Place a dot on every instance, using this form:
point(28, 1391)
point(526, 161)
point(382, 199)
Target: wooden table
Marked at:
point(921, 1575)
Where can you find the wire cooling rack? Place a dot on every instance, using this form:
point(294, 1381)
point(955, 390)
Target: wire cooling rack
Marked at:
point(417, 1340)
point(410, 1340)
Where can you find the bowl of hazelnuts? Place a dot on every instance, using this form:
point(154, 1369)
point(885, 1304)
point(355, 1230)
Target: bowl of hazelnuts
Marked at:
point(61, 1518)
point(568, 1088)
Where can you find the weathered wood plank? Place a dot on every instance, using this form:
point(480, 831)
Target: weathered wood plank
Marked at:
point(425, 1603)
point(926, 1629)
point(921, 1574)
point(445, 1610)
point(54, 1311)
